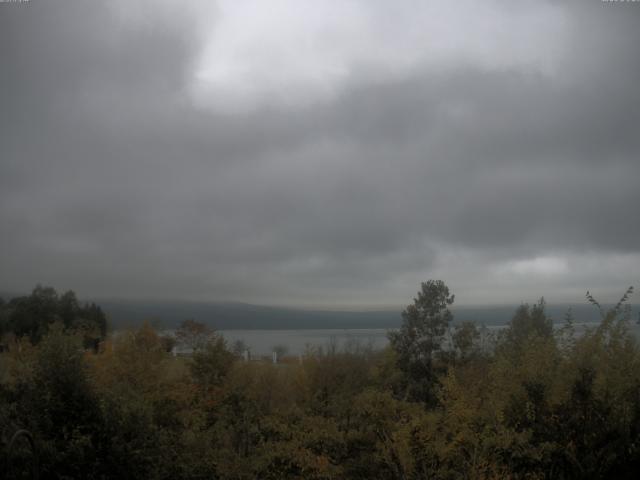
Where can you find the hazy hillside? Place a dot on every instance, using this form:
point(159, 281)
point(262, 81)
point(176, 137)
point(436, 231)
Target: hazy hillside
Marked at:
point(166, 314)
point(232, 315)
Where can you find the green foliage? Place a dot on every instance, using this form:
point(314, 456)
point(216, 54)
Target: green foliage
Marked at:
point(528, 322)
point(211, 364)
point(31, 316)
point(58, 404)
point(465, 340)
point(420, 339)
point(541, 404)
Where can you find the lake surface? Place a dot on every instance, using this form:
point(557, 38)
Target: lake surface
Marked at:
point(297, 342)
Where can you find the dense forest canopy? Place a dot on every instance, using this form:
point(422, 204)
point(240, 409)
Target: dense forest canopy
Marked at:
point(441, 401)
point(32, 315)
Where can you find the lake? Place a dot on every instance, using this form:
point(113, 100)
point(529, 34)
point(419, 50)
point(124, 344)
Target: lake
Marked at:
point(297, 342)
point(262, 342)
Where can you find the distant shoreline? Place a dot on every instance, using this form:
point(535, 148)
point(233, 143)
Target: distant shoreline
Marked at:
point(229, 316)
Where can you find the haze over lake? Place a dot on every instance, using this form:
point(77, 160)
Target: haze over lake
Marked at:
point(242, 316)
point(298, 342)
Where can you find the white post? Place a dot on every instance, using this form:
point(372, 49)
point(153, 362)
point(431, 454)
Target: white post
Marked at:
point(275, 357)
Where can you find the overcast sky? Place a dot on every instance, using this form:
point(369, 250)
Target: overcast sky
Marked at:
point(328, 153)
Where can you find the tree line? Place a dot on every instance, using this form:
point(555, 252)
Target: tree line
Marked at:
point(441, 401)
point(30, 317)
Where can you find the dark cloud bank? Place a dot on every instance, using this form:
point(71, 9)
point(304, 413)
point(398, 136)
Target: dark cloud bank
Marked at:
point(507, 181)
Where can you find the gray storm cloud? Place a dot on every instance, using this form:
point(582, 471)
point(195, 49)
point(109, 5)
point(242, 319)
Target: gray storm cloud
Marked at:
point(333, 155)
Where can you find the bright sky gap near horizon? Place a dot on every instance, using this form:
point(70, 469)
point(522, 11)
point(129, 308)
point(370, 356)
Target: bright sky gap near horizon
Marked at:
point(325, 154)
